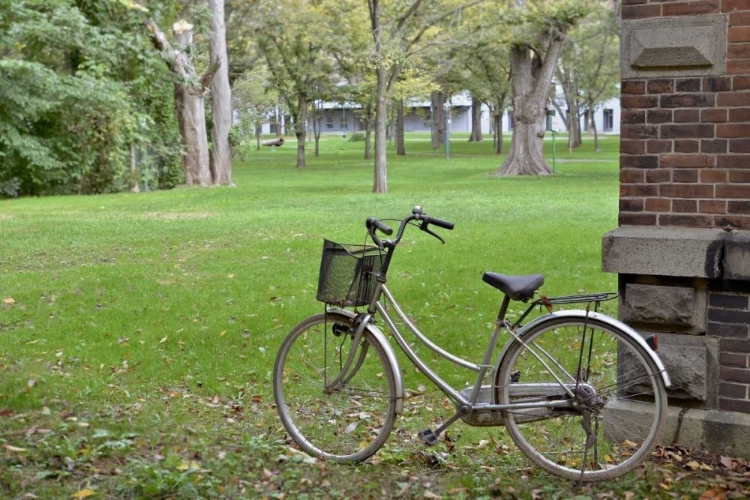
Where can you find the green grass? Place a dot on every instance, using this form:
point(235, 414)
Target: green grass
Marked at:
point(138, 331)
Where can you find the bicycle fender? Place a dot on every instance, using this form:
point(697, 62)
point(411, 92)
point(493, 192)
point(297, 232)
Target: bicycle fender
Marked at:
point(602, 318)
point(383, 341)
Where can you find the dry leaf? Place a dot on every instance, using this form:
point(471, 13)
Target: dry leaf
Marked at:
point(714, 494)
point(9, 300)
point(14, 448)
point(84, 493)
point(728, 463)
point(429, 494)
point(163, 340)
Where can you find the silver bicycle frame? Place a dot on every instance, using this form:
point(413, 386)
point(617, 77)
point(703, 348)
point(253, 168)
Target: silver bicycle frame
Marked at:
point(481, 369)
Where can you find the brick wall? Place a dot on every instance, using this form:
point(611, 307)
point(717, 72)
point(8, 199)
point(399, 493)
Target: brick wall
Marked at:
point(728, 319)
point(685, 142)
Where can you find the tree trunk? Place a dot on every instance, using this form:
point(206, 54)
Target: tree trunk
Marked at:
point(191, 116)
point(499, 133)
point(400, 147)
point(317, 125)
point(380, 183)
point(300, 126)
point(134, 187)
point(596, 132)
point(368, 138)
point(221, 98)
point(574, 125)
point(476, 120)
point(437, 128)
point(530, 79)
point(258, 130)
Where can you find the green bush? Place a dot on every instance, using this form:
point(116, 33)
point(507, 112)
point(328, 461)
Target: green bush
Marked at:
point(357, 137)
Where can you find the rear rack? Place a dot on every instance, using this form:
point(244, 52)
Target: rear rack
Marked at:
point(586, 298)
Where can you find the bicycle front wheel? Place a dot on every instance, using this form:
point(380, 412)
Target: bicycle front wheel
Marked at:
point(619, 398)
point(344, 416)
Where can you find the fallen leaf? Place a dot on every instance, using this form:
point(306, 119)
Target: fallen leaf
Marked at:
point(714, 494)
point(14, 448)
point(163, 340)
point(728, 463)
point(693, 465)
point(429, 494)
point(9, 300)
point(84, 493)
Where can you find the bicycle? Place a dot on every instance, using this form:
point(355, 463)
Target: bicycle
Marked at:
point(580, 393)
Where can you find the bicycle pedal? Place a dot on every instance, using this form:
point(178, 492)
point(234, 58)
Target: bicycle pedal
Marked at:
point(428, 437)
point(515, 376)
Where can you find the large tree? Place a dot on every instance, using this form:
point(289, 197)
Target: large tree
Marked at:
point(221, 98)
point(538, 32)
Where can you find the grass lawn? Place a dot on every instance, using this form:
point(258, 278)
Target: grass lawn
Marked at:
point(138, 331)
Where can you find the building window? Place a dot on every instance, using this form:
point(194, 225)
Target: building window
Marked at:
point(329, 121)
point(344, 124)
point(609, 120)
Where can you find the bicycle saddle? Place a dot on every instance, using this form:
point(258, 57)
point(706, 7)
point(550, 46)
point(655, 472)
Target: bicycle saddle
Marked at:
point(515, 287)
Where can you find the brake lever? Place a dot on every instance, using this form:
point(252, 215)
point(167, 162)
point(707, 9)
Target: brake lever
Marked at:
point(424, 227)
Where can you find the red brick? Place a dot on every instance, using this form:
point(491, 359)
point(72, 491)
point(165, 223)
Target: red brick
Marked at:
point(732, 5)
point(714, 146)
point(735, 221)
point(640, 11)
point(633, 87)
point(729, 191)
point(658, 205)
point(684, 176)
point(712, 207)
point(688, 85)
point(632, 147)
point(738, 51)
point(659, 116)
point(686, 115)
point(639, 161)
point(639, 131)
point(738, 34)
point(733, 161)
point(733, 130)
point(739, 176)
point(703, 131)
point(691, 8)
point(739, 115)
point(661, 86)
point(685, 206)
point(631, 205)
point(658, 176)
point(639, 219)
point(739, 207)
point(632, 176)
point(739, 19)
point(734, 359)
point(633, 2)
point(713, 176)
point(685, 220)
point(657, 146)
point(639, 101)
point(734, 99)
point(713, 115)
point(717, 84)
point(686, 146)
point(638, 190)
point(687, 161)
point(686, 191)
point(739, 146)
point(632, 116)
point(734, 375)
point(738, 66)
point(686, 101)
point(741, 82)
point(734, 405)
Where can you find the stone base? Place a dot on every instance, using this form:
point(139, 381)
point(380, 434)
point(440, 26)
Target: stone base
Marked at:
point(715, 431)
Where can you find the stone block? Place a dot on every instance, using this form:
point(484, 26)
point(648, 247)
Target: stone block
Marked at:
point(666, 306)
point(663, 251)
point(673, 46)
point(736, 261)
point(692, 365)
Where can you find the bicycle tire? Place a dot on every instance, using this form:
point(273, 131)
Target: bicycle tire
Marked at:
point(351, 422)
point(621, 374)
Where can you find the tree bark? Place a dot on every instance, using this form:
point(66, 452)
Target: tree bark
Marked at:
point(221, 98)
point(530, 79)
point(400, 146)
point(437, 100)
point(134, 184)
point(596, 132)
point(476, 120)
point(300, 122)
point(380, 182)
point(189, 100)
point(574, 125)
point(499, 133)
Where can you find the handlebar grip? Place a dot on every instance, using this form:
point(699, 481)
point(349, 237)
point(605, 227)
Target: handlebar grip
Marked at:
point(441, 223)
point(379, 225)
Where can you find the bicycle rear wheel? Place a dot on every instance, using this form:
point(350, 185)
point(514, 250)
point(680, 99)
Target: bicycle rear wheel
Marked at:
point(620, 399)
point(344, 417)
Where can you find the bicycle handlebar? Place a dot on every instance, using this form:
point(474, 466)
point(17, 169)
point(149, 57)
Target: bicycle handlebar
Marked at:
point(417, 213)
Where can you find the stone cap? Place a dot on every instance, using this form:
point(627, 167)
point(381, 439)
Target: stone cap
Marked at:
point(665, 251)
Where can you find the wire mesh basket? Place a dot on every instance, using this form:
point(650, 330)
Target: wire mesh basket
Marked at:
point(347, 274)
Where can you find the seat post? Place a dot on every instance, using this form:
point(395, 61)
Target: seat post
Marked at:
point(503, 310)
